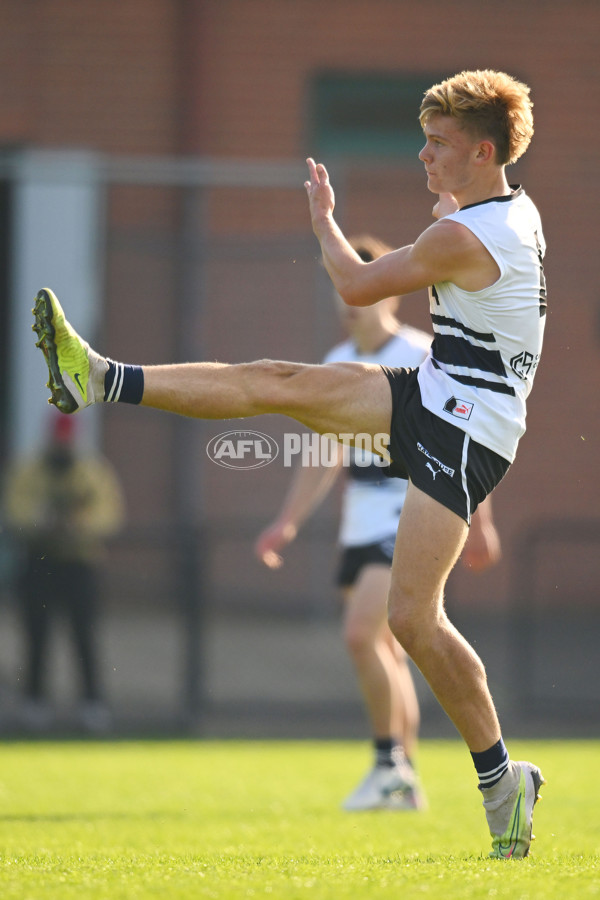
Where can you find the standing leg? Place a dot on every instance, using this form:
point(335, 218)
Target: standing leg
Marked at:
point(430, 539)
point(366, 638)
point(388, 693)
point(410, 716)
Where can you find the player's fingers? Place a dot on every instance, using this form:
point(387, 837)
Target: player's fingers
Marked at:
point(318, 172)
point(261, 547)
point(272, 560)
point(322, 173)
point(312, 169)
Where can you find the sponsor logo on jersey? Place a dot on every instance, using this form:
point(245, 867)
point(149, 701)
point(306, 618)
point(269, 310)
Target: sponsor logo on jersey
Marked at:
point(459, 408)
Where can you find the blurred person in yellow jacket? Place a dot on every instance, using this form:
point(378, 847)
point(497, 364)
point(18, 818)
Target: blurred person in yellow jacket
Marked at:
point(60, 506)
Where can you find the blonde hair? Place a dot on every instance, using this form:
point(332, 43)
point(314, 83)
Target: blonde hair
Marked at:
point(490, 105)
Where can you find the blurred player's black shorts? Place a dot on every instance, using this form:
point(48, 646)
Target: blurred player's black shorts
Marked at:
point(354, 559)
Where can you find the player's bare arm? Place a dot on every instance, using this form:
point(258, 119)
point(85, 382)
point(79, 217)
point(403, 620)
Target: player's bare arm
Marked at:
point(308, 488)
point(446, 251)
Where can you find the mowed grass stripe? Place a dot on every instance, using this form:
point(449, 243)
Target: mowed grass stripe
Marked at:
point(245, 819)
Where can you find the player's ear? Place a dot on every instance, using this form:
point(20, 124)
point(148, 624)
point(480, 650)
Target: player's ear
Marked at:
point(485, 151)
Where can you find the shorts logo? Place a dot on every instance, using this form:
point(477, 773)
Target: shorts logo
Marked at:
point(433, 471)
point(459, 408)
point(433, 459)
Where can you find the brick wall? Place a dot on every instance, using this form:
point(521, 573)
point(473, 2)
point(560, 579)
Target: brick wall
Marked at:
point(230, 78)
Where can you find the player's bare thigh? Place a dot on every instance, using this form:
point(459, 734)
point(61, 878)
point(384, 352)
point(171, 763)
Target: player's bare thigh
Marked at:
point(429, 541)
point(349, 398)
point(340, 398)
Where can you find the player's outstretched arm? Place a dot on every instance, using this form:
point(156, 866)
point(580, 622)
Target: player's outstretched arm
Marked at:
point(309, 486)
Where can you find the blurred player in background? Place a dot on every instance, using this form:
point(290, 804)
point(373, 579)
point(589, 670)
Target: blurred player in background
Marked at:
point(454, 423)
point(372, 505)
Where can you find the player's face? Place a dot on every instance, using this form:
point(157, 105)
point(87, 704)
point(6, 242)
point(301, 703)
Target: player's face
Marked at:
point(358, 320)
point(351, 316)
point(449, 154)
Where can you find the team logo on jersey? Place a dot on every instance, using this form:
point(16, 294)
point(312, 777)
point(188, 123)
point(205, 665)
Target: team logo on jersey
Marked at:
point(459, 408)
point(524, 364)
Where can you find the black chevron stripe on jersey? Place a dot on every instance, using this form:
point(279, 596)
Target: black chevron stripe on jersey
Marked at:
point(498, 387)
point(456, 351)
point(485, 336)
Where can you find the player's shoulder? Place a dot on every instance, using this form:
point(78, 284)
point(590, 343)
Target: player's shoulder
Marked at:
point(444, 245)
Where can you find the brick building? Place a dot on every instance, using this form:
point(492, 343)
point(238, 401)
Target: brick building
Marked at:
point(224, 266)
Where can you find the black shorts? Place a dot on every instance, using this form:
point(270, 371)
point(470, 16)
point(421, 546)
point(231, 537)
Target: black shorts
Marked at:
point(439, 458)
point(356, 558)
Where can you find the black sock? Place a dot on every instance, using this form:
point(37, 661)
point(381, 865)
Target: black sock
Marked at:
point(384, 752)
point(491, 764)
point(123, 384)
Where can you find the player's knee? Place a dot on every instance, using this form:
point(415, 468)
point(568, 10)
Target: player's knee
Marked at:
point(357, 638)
point(406, 626)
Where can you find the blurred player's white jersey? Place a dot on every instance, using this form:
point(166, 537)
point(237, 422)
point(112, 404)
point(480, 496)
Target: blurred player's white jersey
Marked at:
point(488, 343)
point(372, 501)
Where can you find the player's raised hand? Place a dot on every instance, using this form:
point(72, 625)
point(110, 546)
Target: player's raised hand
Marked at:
point(321, 198)
point(445, 206)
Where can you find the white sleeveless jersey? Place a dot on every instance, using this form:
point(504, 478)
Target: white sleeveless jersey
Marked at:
point(372, 502)
point(487, 343)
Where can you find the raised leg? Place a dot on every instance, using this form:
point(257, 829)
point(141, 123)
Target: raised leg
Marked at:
point(341, 398)
point(338, 398)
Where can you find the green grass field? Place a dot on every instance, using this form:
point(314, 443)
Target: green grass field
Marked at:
point(262, 819)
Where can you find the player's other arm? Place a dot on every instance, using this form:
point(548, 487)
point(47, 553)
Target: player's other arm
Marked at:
point(483, 548)
point(309, 486)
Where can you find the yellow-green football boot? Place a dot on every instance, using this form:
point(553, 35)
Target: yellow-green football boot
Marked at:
point(509, 810)
point(76, 371)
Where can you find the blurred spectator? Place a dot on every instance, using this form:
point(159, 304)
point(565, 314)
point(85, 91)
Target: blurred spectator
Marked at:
point(60, 506)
